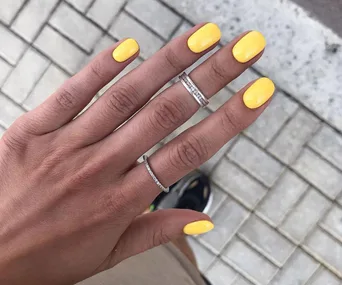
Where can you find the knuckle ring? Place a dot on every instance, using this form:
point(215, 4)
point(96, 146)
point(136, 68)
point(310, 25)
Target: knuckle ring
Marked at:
point(155, 179)
point(191, 87)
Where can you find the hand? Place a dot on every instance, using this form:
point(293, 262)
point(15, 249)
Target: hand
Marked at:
point(71, 193)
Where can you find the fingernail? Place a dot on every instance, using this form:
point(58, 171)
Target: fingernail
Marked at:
point(197, 228)
point(249, 46)
point(258, 93)
point(125, 50)
point(204, 38)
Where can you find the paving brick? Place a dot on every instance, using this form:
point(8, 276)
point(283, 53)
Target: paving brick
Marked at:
point(266, 240)
point(203, 256)
point(238, 183)
point(248, 76)
point(256, 161)
point(60, 50)
point(32, 18)
point(75, 27)
point(218, 199)
point(155, 15)
point(9, 9)
point(243, 258)
point(326, 248)
point(328, 143)
point(332, 223)
point(227, 219)
point(2, 130)
point(23, 78)
point(14, 47)
point(103, 11)
point(50, 81)
point(294, 135)
point(297, 270)
point(320, 173)
point(324, 277)
point(80, 5)
point(241, 281)
point(195, 119)
point(221, 274)
point(208, 166)
point(185, 26)
point(264, 129)
point(305, 216)
point(5, 69)
point(281, 199)
point(219, 99)
point(125, 26)
point(9, 111)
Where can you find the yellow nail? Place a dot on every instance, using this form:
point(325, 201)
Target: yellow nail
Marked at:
point(258, 93)
point(198, 228)
point(249, 46)
point(204, 38)
point(125, 50)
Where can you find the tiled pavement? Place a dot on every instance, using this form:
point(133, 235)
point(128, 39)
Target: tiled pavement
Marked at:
point(278, 185)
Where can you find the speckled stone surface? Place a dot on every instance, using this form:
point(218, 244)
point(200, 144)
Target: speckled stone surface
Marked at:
point(303, 57)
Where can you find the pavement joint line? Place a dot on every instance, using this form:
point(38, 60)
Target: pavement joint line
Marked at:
point(18, 12)
point(90, 5)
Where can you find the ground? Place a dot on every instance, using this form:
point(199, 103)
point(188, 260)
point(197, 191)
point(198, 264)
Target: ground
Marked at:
point(278, 185)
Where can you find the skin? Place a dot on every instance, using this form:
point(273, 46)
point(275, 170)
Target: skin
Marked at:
point(72, 194)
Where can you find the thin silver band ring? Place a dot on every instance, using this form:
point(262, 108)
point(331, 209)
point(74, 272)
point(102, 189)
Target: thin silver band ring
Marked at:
point(193, 90)
point(155, 179)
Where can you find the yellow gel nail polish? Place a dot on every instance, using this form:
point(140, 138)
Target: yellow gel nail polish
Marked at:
point(204, 38)
point(125, 50)
point(258, 93)
point(198, 228)
point(249, 46)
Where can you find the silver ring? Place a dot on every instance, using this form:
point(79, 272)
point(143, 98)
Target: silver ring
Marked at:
point(155, 179)
point(193, 90)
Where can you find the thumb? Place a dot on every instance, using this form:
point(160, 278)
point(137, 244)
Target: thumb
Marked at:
point(153, 229)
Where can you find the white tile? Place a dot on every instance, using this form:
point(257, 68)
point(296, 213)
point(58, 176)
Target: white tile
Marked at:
point(23, 78)
point(266, 240)
point(227, 219)
point(60, 50)
point(238, 183)
point(75, 27)
point(9, 111)
point(104, 11)
point(297, 270)
point(328, 249)
point(203, 256)
point(256, 161)
point(14, 46)
point(242, 257)
point(333, 222)
point(305, 216)
point(281, 199)
point(32, 18)
point(9, 9)
point(221, 274)
point(324, 277)
point(2, 130)
point(80, 5)
point(320, 173)
point(5, 69)
point(50, 81)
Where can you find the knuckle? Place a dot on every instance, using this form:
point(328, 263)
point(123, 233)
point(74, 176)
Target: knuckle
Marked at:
point(190, 153)
point(218, 71)
point(96, 70)
point(160, 237)
point(123, 100)
point(66, 98)
point(12, 141)
point(173, 60)
point(230, 122)
point(167, 114)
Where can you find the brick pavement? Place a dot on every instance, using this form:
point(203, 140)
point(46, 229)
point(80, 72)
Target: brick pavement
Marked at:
point(277, 186)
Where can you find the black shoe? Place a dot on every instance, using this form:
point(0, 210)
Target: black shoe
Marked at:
point(191, 192)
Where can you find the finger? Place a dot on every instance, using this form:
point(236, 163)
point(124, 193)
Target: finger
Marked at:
point(151, 230)
point(78, 91)
point(132, 91)
point(175, 105)
point(196, 145)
